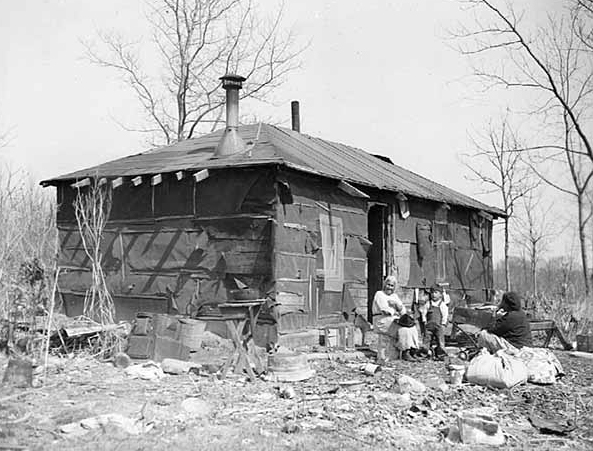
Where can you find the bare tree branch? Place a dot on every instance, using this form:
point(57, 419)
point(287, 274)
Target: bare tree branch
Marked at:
point(197, 42)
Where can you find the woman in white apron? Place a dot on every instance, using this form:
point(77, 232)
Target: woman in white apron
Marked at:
point(387, 309)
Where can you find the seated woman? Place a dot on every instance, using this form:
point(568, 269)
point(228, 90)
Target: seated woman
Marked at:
point(510, 331)
point(387, 309)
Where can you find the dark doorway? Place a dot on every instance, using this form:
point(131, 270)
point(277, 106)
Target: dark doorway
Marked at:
point(375, 266)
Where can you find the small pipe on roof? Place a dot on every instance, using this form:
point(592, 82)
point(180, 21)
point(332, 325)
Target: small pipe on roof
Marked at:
point(295, 114)
point(231, 142)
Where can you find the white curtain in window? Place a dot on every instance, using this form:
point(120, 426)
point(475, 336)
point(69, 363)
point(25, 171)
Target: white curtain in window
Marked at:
point(332, 244)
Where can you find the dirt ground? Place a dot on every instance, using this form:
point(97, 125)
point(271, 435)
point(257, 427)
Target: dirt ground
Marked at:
point(339, 408)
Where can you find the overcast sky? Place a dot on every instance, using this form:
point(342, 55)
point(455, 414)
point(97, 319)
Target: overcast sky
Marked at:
point(379, 75)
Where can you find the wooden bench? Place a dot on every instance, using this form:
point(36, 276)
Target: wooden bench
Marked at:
point(549, 326)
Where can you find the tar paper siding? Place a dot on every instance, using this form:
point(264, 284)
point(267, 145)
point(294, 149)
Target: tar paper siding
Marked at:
point(175, 244)
point(299, 268)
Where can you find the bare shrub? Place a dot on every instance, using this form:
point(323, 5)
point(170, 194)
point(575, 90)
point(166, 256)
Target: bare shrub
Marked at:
point(92, 207)
point(28, 245)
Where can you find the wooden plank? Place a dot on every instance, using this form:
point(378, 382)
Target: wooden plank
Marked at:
point(541, 325)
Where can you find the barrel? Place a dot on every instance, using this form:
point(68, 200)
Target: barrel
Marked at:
point(191, 333)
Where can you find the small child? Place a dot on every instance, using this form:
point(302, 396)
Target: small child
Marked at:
point(437, 317)
point(407, 338)
point(420, 309)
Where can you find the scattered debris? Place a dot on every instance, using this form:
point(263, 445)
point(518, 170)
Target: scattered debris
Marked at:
point(196, 407)
point(145, 371)
point(174, 366)
point(370, 369)
point(582, 354)
point(407, 384)
point(291, 427)
point(341, 401)
point(132, 427)
point(479, 428)
point(287, 392)
point(351, 383)
point(122, 360)
point(436, 383)
point(211, 368)
point(555, 426)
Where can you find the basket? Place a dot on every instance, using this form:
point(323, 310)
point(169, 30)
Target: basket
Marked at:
point(191, 333)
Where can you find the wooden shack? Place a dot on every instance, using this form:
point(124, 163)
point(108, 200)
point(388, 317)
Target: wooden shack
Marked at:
point(312, 224)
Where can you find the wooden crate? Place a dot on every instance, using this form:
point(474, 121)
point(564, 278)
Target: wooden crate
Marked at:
point(585, 343)
point(340, 336)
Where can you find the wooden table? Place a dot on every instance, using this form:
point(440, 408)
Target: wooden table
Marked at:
point(237, 315)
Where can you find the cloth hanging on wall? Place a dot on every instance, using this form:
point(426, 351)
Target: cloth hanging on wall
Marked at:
point(424, 241)
point(474, 230)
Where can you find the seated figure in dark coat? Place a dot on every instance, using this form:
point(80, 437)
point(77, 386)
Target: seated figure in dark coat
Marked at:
point(511, 330)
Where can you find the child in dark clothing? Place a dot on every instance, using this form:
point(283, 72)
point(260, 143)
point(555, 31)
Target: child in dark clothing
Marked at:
point(437, 317)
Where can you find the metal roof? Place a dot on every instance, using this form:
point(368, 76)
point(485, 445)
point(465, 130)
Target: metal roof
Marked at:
point(269, 144)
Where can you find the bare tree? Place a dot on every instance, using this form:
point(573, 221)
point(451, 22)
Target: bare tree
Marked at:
point(582, 12)
point(554, 62)
point(496, 164)
point(533, 231)
point(581, 172)
point(197, 41)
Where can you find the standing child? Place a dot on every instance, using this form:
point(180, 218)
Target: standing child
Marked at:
point(437, 317)
point(420, 309)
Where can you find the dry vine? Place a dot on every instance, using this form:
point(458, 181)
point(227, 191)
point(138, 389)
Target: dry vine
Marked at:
point(92, 207)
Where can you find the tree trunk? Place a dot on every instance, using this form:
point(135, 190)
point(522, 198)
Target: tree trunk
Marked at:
point(533, 268)
point(507, 281)
point(583, 243)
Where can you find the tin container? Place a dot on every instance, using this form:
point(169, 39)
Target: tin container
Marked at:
point(456, 373)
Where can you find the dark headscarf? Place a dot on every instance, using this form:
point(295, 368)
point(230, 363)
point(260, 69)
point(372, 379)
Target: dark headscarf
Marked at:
point(406, 321)
point(511, 301)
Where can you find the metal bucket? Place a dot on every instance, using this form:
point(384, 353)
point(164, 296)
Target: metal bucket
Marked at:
point(191, 333)
point(456, 373)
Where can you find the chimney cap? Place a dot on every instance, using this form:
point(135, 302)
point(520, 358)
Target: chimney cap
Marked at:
point(230, 81)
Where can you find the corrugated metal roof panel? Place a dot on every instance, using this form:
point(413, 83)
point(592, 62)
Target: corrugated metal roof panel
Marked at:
point(268, 144)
